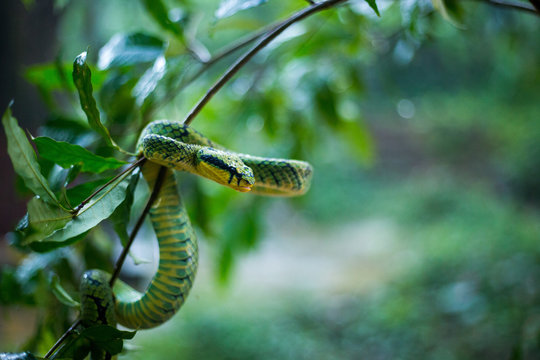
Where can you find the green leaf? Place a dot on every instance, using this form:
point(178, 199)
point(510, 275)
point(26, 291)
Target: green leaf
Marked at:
point(60, 293)
point(130, 49)
point(72, 174)
point(120, 217)
point(97, 210)
point(106, 333)
point(150, 80)
point(230, 7)
point(24, 159)
point(80, 192)
point(113, 347)
point(159, 13)
point(44, 218)
point(116, 99)
point(66, 129)
point(66, 155)
point(372, 4)
point(82, 78)
point(49, 76)
point(451, 10)
point(107, 338)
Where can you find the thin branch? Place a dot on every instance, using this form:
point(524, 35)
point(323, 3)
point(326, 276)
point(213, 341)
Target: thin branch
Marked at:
point(259, 46)
point(238, 45)
point(62, 338)
point(153, 196)
point(221, 54)
point(515, 4)
point(128, 169)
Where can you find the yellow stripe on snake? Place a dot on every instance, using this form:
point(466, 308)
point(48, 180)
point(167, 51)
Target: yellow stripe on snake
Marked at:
point(175, 146)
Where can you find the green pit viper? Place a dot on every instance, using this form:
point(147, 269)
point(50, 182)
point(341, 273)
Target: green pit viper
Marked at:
point(176, 146)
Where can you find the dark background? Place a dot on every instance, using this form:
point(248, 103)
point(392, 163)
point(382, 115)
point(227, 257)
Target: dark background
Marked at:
point(28, 37)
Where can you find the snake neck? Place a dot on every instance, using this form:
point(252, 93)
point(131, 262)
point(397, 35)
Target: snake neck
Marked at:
point(176, 131)
point(168, 152)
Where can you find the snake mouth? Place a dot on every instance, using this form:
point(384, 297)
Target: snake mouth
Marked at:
point(245, 188)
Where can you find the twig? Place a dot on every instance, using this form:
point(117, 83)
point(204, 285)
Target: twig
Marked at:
point(62, 338)
point(128, 169)
point(517, 5)
point(259, 46)
point(221, 54)
point(151, 199)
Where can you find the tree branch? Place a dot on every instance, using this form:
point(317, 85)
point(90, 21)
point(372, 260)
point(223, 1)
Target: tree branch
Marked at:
point(151, 200)
point(75, 211)
point(221, 54)
point(62, 338)
point(259, 46)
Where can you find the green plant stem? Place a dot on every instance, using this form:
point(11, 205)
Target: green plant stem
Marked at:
point(266, 39)
point(62, 338)
point(153, 196)
point(125, 171)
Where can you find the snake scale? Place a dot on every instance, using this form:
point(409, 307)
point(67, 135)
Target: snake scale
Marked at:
point(175, 146)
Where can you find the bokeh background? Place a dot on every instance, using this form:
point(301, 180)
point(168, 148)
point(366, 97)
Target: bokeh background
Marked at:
point(419, 238)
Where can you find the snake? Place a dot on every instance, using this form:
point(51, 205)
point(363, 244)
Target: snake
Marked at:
point(167, 146)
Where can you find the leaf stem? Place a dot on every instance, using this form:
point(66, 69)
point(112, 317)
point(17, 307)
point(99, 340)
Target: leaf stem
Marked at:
point(153, 196)
point(62, 338)
point(272, 34)
point(139, 162)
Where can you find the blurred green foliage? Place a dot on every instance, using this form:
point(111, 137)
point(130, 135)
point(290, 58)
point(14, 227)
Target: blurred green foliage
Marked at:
point(404, 116)
point(472, 292)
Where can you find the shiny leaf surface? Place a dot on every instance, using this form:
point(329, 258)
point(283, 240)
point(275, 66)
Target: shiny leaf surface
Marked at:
point(24, 160)
point(82, 77)
point(230, 7)
point(66, 155)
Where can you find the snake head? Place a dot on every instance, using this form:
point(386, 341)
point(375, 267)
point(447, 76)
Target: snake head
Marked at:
point(225, 169)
